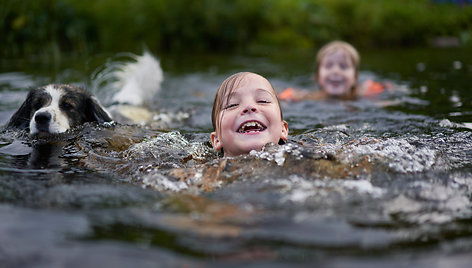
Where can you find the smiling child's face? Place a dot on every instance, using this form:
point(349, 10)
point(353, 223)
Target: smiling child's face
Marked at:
point(337, 74)
point(250, 118)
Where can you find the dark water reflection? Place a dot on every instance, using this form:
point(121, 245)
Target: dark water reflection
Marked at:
point(357, 185)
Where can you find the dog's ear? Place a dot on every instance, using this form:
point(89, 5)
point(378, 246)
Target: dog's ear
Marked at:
point(95, 112)
point(21, 118)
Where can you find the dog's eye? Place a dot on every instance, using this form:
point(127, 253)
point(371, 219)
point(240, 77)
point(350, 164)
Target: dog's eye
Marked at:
point(37, 105)
point(67, 105)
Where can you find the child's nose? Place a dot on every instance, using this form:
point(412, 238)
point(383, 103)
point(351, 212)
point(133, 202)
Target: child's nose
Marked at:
point(337, 68)
point(249, 109)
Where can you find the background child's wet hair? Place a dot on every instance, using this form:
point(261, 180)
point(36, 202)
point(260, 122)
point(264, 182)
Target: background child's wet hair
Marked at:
point(224, 93)
point(338, 45)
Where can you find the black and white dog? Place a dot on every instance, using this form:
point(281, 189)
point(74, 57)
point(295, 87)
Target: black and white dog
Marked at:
point(56, 108)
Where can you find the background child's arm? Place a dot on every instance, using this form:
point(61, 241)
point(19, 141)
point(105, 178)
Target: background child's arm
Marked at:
point(291, 94)
point(371, 88)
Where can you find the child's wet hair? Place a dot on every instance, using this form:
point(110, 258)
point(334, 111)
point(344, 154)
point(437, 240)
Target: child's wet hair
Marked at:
point(224, 93)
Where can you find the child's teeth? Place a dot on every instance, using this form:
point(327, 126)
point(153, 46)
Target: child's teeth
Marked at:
point(250, 124)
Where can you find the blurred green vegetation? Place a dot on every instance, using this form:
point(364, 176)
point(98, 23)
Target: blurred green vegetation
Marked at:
point(78, 27)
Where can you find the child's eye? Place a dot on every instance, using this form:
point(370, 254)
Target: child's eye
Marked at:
point(231, 105)
point(328, 65)
point(263, 101)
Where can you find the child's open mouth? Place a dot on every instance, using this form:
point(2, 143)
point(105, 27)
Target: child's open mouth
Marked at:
point(251, 126)
point(336, 82)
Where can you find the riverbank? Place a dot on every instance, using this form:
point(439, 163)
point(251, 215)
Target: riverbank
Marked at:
point(78, 27)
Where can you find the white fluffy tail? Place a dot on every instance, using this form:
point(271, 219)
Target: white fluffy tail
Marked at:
point(139, 81)
point(129, 82)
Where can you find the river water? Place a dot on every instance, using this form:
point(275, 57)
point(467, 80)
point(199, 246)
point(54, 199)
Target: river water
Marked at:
point(384, 181)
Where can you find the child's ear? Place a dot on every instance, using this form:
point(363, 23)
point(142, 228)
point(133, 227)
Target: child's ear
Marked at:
point(284, 134)
point(215, 141)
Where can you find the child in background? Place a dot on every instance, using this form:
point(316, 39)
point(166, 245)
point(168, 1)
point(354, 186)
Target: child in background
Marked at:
point(246, 115)
point(337, 72)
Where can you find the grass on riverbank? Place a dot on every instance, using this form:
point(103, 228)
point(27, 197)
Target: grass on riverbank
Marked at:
point(83, 27)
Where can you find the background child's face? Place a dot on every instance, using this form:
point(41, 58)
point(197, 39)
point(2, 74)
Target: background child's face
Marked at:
point(337, 74)
point(250, 118)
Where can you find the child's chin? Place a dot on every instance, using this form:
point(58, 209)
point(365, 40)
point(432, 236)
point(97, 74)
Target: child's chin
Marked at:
point(336, 91)
point(251, 142)
point(251, 147)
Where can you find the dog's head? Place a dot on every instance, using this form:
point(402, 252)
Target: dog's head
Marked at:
point(57, 108)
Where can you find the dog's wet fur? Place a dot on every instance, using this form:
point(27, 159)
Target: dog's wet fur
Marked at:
point(56, 108)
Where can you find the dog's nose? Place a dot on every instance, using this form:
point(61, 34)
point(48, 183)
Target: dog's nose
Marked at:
point(42, 118)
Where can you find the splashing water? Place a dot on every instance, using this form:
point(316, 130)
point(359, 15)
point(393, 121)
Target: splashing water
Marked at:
point(398, 154)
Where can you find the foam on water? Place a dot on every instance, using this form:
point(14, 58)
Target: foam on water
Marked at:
point(277, 153)
point(363, 187)
point(160, 182)
point(167, 151)
point(169, 144)
point(341, 127)
point(299, 190)
point(398, 154)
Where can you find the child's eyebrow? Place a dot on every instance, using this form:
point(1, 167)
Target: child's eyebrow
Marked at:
point(265, 91)
point(231, 95)
point(259, 90)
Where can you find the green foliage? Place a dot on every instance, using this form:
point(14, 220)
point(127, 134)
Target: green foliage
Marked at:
point(81, 27)
point(30, 26)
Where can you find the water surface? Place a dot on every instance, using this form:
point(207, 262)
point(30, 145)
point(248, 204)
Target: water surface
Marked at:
point(359, 184)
